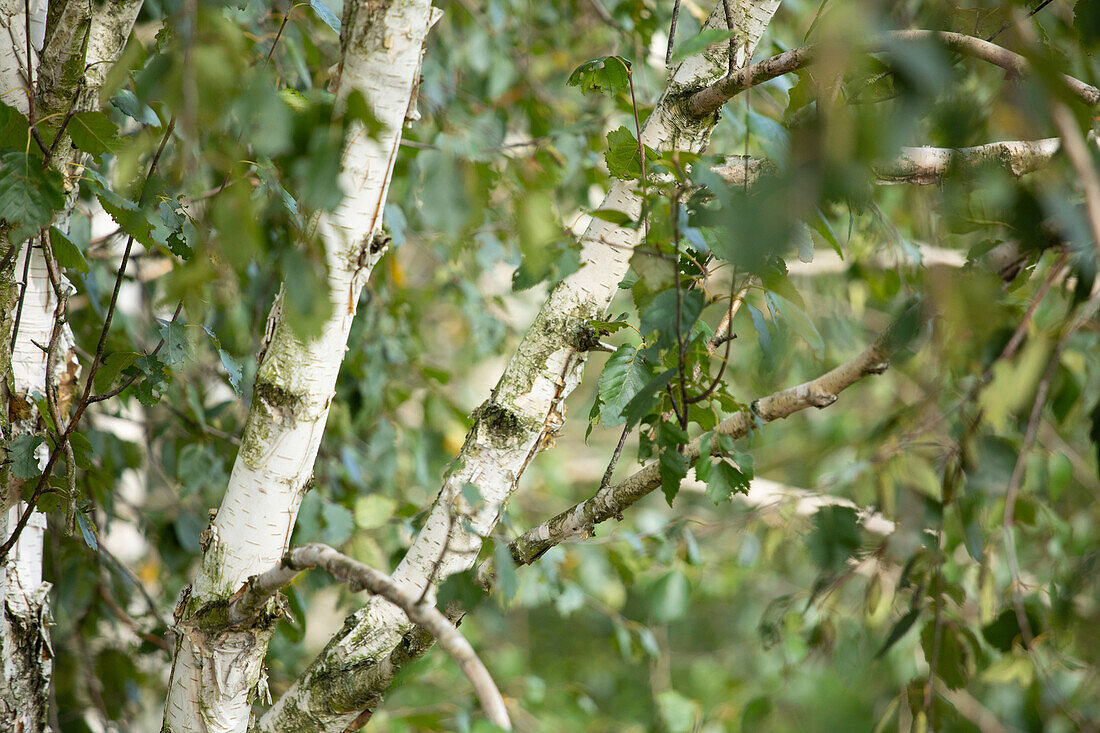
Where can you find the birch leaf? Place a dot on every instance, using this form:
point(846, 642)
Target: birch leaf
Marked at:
point(67, 253)
point(22, 454)
point(29, 194)
point(94, 133)
point(660, 316)
point(325, 14)
point(622, 157)
point(606, 75)
point(623, 377)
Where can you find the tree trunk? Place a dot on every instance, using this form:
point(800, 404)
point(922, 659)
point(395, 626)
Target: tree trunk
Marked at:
point(525, 408)
point(218, 669)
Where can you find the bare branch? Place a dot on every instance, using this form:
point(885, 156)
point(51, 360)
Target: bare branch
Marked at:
point(613, 500)
point(710, 99)
point(923, 165)
point(259, 589)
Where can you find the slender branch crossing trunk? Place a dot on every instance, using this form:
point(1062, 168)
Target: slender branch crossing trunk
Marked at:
point(217, 669)
point(526, 407)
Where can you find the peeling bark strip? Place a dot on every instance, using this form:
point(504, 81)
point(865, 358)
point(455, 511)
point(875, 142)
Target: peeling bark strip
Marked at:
point(525, 409)
point(713, 97)
point(262, 588)
point(217, 670)
point(613, 500)
point(924, 165)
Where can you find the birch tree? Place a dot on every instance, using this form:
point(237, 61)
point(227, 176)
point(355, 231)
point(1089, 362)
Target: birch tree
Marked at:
point(276, 244)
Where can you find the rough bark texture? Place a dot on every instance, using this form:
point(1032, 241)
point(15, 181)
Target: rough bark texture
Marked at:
point(76, 47)
point(218, 669)
point(523, 413)
point(261, 588)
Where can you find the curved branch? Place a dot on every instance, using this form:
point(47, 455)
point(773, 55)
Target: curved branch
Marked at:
point(710, 99)
point(259, 589)
point(581, 518)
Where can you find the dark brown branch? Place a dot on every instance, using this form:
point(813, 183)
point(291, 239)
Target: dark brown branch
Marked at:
point(709, 100)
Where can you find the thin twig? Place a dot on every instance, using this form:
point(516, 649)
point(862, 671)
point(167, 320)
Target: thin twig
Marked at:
point(31, 118)
point(85, 398)
point(672, 32)
point(22, 293)
point(606, 480)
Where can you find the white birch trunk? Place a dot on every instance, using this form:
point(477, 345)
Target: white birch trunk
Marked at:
point(25, 654)
point(216, 670)
point(525, 409)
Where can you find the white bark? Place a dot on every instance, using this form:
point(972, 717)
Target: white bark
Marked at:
point(216, 670)
point(357, 576)
point(925, 165)
point(25, 653)
point(13, 48)
point(526, 407)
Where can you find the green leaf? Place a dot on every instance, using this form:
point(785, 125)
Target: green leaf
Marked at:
point(176, 345)
point(29, 194)
point(232, 370)
point(1003, 631)
point(668, 597)
point(111, 366)
point(606, 75)
point(87, 530)
point(678, 713)
point(15, 131)
point(763, 333)
point(622, 156)
point(623, 377)
point(701, 41)
point(339, 523)
point(672, 463)
point(951, 655)
point(127, 103)
point(1086, 22)
point(373, 510)
point(127, 215)
point(66, 252)
point(834, 538)
point(94, 133)
point(723, 479)
point(325, 14)
point(616, 217)
point(903, 625)
point(21, 453)
point(774, 278)
point(646, 399)
point(660, 315)
point(507, 580)
point(462, 588)
point(797, 319)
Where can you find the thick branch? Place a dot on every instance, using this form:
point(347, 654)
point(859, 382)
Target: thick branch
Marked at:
point(709, 100)
point(612, 501)
point(923, 165)
point(262, 588)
